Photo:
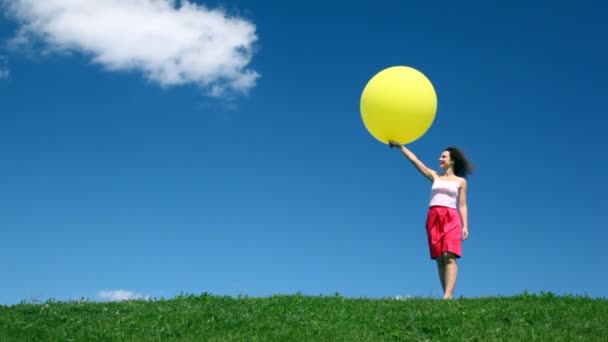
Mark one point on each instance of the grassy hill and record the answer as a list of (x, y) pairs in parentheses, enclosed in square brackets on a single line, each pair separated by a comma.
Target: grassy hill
[(527, 317)]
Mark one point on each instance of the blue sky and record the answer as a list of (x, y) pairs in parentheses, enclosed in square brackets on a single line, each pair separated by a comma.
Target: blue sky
[(126, 176)]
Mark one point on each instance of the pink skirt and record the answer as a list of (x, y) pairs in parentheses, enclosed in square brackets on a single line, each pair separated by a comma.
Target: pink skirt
[(444, 231)]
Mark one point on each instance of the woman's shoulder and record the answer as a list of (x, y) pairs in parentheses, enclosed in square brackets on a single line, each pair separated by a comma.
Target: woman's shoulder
[(461, 181)]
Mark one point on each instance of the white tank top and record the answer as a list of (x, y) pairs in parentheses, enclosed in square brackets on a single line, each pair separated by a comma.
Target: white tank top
[(444, 193)]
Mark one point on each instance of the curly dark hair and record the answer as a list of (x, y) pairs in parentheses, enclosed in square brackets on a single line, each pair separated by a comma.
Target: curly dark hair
[(462, 166)]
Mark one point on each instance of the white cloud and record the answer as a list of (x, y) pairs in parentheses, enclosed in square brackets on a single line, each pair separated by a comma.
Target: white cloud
[(120, 295), (170, 42), (4, 71)]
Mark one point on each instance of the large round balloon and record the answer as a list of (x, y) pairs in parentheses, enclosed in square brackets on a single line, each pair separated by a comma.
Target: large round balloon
[(399, 103)]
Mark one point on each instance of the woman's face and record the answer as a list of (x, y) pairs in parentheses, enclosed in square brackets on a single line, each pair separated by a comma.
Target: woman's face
[(445, 161)]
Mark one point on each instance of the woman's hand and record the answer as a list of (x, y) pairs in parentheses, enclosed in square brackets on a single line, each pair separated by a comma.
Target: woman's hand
[(393, 143), (465, 232)]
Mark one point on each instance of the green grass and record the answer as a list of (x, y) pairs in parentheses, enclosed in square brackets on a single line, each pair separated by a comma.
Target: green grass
[(527, 317)]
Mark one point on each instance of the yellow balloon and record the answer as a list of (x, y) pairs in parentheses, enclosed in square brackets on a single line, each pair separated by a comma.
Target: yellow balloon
[(399, 103)]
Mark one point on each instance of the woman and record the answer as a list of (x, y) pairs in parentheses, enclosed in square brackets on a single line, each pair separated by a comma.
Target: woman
[(447, 218)]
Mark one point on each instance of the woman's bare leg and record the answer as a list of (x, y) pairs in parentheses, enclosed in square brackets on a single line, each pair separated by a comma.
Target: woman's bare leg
[(441, 270), (450, 274)]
